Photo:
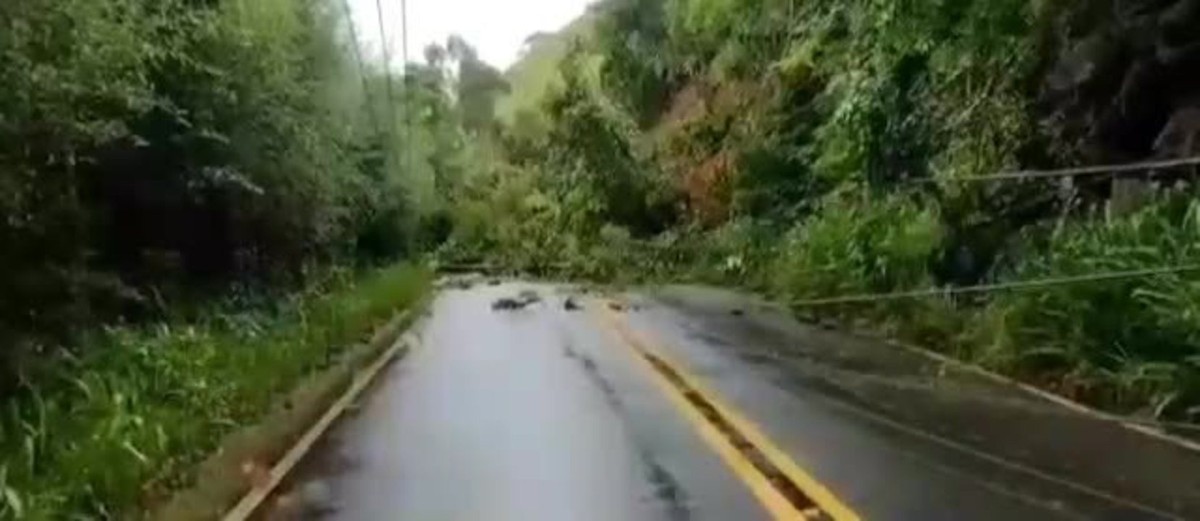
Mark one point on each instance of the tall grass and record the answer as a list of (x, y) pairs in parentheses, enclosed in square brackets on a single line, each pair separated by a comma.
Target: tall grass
[(96, 435), (852, 246), (1130, 344)]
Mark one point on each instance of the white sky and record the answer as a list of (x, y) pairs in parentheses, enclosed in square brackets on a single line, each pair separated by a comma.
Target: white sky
[(497, 28)]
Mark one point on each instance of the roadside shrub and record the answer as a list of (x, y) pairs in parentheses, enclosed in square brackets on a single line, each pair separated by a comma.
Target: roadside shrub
[(98, 434), (738, 252), (152, 151), (1122, 342), (853, 246)]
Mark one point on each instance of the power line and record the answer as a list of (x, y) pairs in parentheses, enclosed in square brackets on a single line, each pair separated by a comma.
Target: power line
[(387, 69), (358, 60), (992, 288), (1068, 172), (1092, 175), (408, 95)]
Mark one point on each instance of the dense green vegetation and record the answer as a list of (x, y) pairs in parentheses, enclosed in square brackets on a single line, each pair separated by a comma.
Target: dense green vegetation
[(120, 426), (810, 148), (196, 198), (156, 149), (194, 195)]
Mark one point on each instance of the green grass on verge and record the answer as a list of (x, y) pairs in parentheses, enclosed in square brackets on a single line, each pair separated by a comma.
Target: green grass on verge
[(128, 419)]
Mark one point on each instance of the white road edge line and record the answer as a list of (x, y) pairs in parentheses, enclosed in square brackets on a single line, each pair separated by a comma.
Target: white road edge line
[(1030, 389), (254, 499)]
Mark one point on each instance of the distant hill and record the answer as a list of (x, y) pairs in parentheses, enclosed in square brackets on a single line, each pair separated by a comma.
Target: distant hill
[(537, 70)]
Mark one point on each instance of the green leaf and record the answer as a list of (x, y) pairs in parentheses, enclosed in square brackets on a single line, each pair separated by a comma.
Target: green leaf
[(12, 499), (128, 446)]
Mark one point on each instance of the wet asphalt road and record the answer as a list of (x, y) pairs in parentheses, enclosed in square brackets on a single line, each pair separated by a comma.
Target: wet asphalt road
[(545, 413)]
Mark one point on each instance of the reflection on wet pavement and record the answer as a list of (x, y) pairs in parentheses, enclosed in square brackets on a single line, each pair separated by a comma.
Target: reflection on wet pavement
[(518, 412), (518, 406), (888, 403)]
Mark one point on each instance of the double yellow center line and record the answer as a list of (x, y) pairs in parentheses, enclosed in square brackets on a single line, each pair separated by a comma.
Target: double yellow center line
[(784, 489)]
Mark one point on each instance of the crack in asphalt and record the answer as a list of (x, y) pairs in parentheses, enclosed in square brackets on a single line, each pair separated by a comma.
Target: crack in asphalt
[(666, 487)]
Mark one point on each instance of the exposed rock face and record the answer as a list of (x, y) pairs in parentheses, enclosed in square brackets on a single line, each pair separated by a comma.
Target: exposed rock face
[(1129, 87), (1182, 134)]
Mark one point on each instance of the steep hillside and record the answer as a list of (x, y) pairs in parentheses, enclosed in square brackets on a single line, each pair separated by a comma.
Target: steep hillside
[(819, 149)]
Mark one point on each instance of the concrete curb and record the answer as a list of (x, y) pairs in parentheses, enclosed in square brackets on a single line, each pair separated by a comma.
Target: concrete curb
[(812, 321), (235, 479), (257, 496), (1027, 388)]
